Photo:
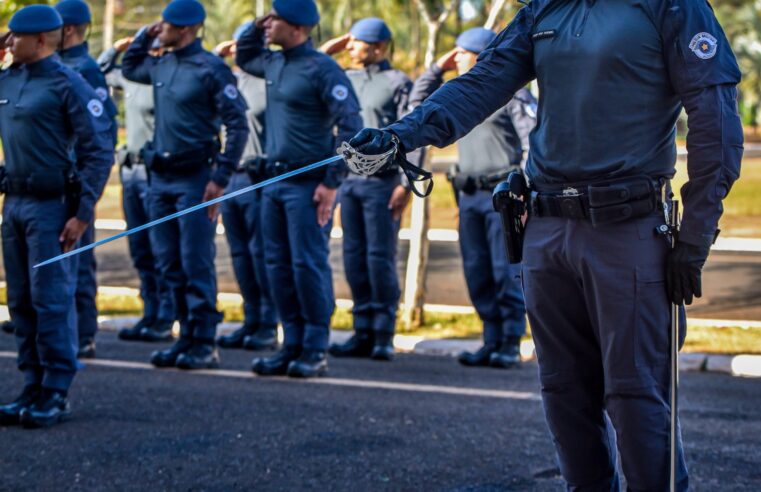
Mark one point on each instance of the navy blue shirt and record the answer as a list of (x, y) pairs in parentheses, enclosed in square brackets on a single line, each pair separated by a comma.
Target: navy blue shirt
[(195, 93), (48, 115), (613, 77), (308, 95)]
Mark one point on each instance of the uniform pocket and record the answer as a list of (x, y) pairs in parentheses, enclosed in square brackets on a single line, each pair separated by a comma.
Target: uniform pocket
[(652, 318)]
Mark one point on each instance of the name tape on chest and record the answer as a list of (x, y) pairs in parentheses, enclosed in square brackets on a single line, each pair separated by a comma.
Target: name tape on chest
[(340, 92), (704, 45), (547, 33), (95, 108), (231, 92)]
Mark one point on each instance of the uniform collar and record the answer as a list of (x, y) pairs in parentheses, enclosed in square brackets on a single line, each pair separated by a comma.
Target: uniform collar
[(304, 47), (191, 49), (44, 65), (75, 51), (381, 66)]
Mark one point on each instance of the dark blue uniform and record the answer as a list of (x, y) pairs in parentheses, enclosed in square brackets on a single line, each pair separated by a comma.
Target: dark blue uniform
[(308, 95), (48, 115), (194, 93), (596, 297), (78, 59)]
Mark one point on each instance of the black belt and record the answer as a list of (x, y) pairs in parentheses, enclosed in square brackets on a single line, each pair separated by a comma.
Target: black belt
[(132, 160), (601, 202), (277, 168), (471, 183)]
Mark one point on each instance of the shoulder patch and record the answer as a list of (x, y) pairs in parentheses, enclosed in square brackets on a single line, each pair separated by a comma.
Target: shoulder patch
[(102, 93), (340, 92), (231, 92), (704, 45), (95, 107)]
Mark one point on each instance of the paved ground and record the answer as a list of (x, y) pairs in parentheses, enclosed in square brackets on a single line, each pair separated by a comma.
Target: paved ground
[(420, 423)]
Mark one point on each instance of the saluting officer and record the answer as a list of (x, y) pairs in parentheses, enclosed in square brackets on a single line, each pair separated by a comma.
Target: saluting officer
[(74, 53), (46, 110), (308, 95), (486, 155), (371, 207), (195, 94), (242, 219), (597, 277), (139, 122)]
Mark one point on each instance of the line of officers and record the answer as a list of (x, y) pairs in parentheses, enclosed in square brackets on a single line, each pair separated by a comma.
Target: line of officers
[(277, 110)]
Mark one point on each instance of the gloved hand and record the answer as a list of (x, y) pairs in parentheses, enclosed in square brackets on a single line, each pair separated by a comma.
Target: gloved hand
[(371, 141), (683, 269)]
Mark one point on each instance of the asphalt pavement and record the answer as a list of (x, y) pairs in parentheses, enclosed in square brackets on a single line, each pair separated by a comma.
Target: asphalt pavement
[(418, 423)]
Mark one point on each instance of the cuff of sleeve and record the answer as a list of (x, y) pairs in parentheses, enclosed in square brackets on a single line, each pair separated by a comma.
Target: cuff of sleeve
[(436, 70), (84, 213), (221, 176), (697, 238), (332, 180), (142, 39)]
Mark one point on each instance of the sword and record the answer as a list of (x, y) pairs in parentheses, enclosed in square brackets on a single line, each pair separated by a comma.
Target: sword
[(200, 206), (674, 225)]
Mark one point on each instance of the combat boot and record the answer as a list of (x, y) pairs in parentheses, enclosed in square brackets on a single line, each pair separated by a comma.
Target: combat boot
[(86, 349), (10, 413), (384, 346), (480, 357), (277, 365), (200, 356), (312, 363), (359, 345), (508, 355), (160, 331), (168, 357), (50, 408), (133, 333), (265, 338), (235, 339)]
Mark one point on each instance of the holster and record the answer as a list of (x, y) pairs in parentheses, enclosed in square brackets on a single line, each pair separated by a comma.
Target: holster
[(185, 162), (509, 199), (255, 167)]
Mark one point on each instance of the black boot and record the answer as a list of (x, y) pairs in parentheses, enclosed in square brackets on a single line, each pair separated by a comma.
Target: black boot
[(265, 338), (50, 408), (478, 358), (312, 363), (168, 357), (10, 413), (160, 331), (86, 349), (133, 333), (7, 327), (359, 345), (384, 346), (202, 355), (277, 365), (508, 355), (235, 339)]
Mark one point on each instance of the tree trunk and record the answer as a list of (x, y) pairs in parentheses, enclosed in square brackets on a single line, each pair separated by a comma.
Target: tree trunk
[(496, 9), (108, 24)]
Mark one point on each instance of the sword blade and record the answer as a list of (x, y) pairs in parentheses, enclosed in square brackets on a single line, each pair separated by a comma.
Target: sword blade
[(194, 208)]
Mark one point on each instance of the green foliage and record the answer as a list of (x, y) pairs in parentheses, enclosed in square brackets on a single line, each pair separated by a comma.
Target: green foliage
[(9, 7)]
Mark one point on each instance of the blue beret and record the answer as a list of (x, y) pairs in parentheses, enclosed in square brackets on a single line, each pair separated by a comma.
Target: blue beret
[(371, 30), (297, 12), (35, 19), (241, 29), (475, 40), (184, 13), (74, 12)]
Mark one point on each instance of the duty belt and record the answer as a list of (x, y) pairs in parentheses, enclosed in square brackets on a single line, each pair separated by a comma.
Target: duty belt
[(600, 202), (276, 168), (471, 183)]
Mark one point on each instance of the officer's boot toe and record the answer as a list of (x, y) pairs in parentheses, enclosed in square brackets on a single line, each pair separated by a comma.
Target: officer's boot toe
[(235, 339), (359, 345), (277, 365), (10, 413), (508, 356), (265, 338), (200, 356), (50, 408), (384, 347), (480, 357), (86, 349), (160, 331), (7, 327), (311, 363), (168, 357), (133, 333)]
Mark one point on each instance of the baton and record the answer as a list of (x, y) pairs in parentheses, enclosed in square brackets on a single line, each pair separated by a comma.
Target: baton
[(200, 206), (674, 224)]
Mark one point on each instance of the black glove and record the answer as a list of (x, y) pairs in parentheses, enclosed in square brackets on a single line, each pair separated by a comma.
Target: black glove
[(371, 141), (683, 268)]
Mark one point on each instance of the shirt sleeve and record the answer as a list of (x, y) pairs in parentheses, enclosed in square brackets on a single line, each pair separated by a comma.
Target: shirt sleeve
[(704, 73), (425, 85), (137, 62), (522, 111), (251, 54), (464, 102), (402, 95)]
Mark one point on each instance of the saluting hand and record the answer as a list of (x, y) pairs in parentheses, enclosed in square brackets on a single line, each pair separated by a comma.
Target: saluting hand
[(400, 197), (226, 48), (123, 44), (259, 22), (336, 45), (324, 198), (154, 29), (447, 62), (212, 191), (71, 233)]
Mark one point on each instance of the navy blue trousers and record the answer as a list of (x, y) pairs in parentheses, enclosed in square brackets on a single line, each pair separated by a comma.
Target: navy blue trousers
[(370, 236), (493, 283), (296, 254), (600, 318), (157, 298), (40, 300), (87, 288), (241, 217), (185, 250)]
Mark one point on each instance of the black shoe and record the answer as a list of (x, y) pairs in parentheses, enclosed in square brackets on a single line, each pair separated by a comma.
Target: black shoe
[(10, 413), (133, 333), (310, 364), (86, 349), (50, 408), (478, 358), (384, 347), (7, 327), (235, 339), (168, 357), (277, 365), (161, 331), (200, 356), (265, 338), (508, 356), (359, 345)]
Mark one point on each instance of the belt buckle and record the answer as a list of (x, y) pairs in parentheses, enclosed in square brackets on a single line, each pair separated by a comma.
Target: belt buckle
[(571, 205)]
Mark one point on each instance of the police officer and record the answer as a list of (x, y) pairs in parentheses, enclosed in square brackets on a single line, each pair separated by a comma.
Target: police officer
[(195, 93), (139, 121), (371, 207), (242, 222), (46, 110), (308, 95), (598, 278), (487, 154), (74, 53)]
